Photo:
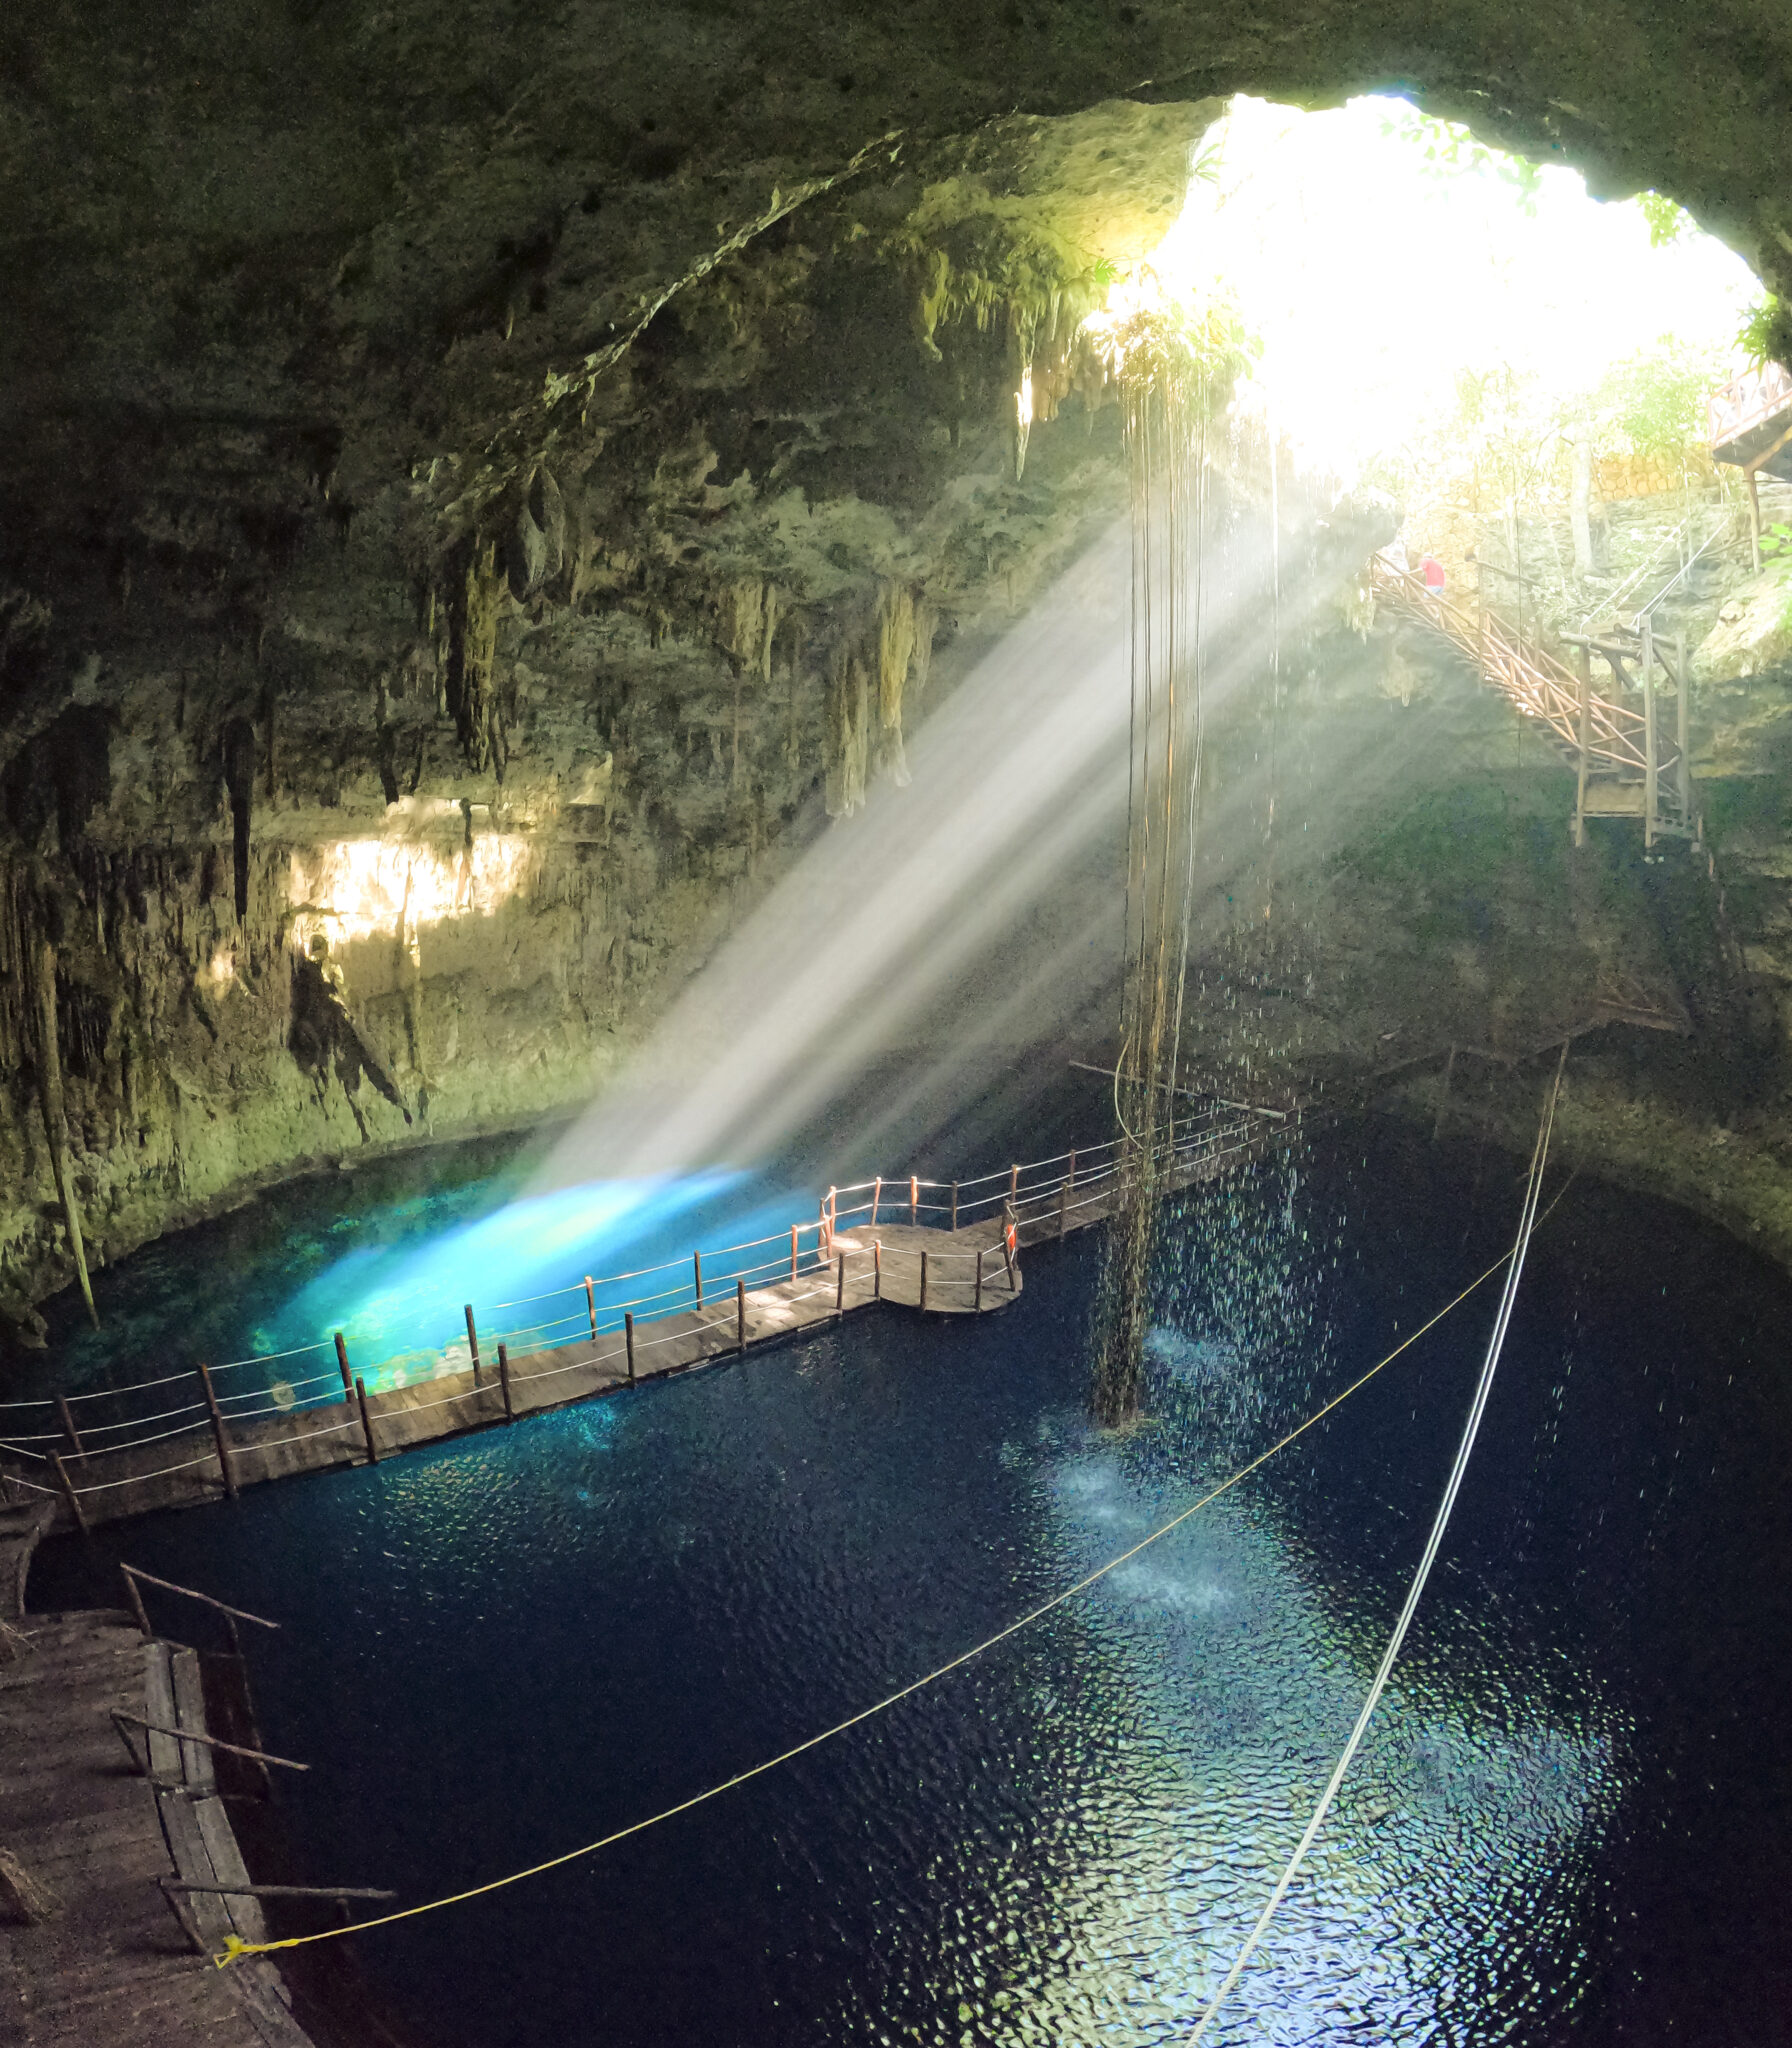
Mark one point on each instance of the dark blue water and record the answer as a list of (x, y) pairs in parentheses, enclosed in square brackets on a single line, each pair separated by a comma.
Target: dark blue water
[(1572, 1821)]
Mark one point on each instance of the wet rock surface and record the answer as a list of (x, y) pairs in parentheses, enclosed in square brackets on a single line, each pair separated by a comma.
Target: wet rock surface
[(477, 495)]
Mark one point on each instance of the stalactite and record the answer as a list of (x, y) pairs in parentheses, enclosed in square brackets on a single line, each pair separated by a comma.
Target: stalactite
[(237, 745), (848, 734), (472, 654), (895, 653), (50, 1102)]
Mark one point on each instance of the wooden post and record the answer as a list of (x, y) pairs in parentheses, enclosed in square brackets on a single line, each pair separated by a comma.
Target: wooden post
[(628, 1338), (473, 1342), (504, 1380), (697, 1269), (69, 1494), (740, 1315), (27, 1899), (373, 1449), (135, 1594), (1586, 743), (68, 1426), (955, 1205), (914, 1199), (1073, 1169), (348, 1383), (591, 1305), (1650, 768), (923, 1280), (1754, 519), (1683, 725), (977, 1297), (222, 1441), (877, 1195), (1014, 1183), (1063, 1206), (840, 1287), (877, 1269), (793, 1252)]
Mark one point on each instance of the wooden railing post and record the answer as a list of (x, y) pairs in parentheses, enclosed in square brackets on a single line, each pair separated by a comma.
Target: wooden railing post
[(1683, 726), (70, 1495), (923, 1280), (504, 1379), (135, 1594), (877, 1195), (877, 1269), (977, 1296), (740, 1315), (697, 1269), (223, 1442), (1586, 744), (348, 1384), (1014, 1184), (955, 1205), (473, 1342), (373, 1449), (591, 1304), (628, 1339), (1651, 766), (914, 1199), (1063, 1205), (840, 1286), (68, 1426), (793, 1252)]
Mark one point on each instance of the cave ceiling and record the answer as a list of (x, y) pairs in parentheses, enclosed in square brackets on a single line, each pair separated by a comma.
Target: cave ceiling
[(383, 259)]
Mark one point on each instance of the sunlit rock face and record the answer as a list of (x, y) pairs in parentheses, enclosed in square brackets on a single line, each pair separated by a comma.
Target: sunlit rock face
[(479, 494)]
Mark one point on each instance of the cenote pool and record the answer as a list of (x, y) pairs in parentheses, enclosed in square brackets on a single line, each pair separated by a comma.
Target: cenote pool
[(1572, 1821)]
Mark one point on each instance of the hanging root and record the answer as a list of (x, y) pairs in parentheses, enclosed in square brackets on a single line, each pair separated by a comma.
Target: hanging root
[(1165, 407)]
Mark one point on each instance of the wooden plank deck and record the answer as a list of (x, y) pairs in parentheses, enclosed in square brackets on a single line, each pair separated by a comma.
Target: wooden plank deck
[(882, 1271), (112, 1967)]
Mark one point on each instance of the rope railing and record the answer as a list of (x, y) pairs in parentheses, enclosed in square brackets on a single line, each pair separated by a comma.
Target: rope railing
[(1027, 1193)]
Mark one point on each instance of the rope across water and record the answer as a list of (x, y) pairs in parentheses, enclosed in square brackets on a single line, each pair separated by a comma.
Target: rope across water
[(235, 1946)]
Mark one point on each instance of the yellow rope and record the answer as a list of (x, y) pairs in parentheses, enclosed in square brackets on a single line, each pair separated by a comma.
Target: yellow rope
[(235, 1946)]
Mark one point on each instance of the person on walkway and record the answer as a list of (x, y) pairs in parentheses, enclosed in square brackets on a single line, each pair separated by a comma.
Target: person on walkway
[(1433, 572)]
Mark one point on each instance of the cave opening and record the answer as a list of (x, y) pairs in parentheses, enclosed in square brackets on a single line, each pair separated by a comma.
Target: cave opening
[(611, 834)]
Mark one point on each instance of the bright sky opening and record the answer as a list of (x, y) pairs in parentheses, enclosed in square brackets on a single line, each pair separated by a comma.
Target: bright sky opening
[(1373, 275)]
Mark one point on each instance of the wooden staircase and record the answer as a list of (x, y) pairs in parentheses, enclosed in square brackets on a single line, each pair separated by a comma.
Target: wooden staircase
[(1629, 765)]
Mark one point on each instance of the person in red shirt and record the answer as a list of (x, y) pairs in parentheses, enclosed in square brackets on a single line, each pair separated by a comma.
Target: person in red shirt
[(1433, 572)]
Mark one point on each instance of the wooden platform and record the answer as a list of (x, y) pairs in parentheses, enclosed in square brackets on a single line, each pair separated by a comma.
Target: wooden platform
[(883, 1271), (113, 1966)]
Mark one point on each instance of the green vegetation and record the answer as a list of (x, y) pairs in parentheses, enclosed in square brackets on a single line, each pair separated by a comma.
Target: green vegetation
[(1450, 148), (1656, 399), (1668, 219), (1766, 334)]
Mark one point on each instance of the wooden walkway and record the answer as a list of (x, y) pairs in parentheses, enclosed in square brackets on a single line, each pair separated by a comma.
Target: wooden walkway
[(967, 1272), (1628, 765), (113, 1966)]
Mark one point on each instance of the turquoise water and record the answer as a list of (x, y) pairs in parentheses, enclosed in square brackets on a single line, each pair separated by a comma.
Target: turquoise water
[(390, 1255)]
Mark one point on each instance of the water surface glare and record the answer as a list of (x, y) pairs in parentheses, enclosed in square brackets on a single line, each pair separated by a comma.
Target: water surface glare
[(1570, 1821)]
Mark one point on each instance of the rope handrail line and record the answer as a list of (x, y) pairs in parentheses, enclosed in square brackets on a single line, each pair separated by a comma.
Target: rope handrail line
[(161, 1415), (1514, 1264), (235, 1946), (1094, 1169), (268, 1357)]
